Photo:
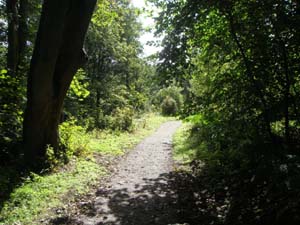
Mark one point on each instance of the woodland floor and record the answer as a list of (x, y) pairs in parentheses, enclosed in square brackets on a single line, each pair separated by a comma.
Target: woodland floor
[(144, 189)]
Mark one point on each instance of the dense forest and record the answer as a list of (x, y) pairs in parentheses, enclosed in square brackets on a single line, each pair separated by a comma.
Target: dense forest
[(230, 69)]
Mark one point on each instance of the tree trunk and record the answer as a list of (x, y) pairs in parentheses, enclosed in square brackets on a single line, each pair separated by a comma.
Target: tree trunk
[(23, 29), (57, 56), (12, 36), (17, 16)]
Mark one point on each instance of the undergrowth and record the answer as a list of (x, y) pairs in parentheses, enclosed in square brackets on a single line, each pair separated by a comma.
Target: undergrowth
[(183, 151), (35, 197), (237, 187)]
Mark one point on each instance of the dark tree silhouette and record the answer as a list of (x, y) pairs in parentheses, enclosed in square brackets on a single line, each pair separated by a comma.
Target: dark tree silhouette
[(57, 56)]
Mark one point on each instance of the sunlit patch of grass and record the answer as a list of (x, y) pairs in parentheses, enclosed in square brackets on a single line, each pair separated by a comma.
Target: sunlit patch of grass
[(183, 151), (38, 194), (117, 143)]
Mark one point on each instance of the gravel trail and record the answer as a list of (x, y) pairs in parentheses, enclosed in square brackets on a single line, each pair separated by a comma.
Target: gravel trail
[(140, 192)]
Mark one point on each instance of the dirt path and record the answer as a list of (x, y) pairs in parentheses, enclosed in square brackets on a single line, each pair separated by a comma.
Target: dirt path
[(140, 192)]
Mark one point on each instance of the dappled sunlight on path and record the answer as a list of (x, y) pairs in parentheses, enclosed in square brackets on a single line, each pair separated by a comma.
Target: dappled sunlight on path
[(146, 190)]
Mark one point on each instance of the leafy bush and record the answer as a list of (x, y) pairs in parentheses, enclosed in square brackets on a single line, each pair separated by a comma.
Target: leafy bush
[(173, 92), (11, 112), (137, 100), (73, 138), (121, 119), (169, 106)]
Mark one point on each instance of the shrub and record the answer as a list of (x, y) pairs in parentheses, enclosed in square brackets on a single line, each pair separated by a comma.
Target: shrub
[(169, 106), (73, 138), (11, 115), (121, 119), (173, 92)]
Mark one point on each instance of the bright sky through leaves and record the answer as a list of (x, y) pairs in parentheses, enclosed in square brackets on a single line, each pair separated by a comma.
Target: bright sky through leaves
[(147, 22)]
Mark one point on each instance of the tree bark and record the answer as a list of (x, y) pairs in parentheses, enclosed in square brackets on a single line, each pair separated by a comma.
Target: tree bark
[(12, 36), (57, 56), (23, 29), (17, 30)]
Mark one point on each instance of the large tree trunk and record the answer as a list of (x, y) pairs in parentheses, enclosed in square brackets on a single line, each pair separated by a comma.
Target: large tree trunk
[(57, 56)]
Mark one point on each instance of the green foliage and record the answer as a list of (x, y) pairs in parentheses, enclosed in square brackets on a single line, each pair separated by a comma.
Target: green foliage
[(245, 181), (13, 88), (112, 89), (238, 67), (169, 106), (121, 119), (73, 138), (168, 95), (79, 88), (240, 60), (236, 57), (117, 111), (11, 113)]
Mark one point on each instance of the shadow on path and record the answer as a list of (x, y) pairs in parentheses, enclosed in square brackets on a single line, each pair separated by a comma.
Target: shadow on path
[(168, 199)]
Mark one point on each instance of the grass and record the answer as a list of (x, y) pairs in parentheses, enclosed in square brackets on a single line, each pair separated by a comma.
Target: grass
[(37, 196), (183, 151), (117, 143), (40, 193)]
